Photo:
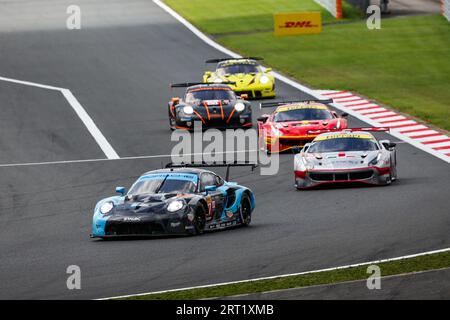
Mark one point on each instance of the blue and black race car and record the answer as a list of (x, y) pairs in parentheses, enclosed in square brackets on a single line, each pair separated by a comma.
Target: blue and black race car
[(180, 199)]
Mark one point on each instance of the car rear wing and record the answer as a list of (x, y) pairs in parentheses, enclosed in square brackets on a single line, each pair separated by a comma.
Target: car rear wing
[(213, 165), (280, 103), (190, 84), (367, 129), (229, 59)]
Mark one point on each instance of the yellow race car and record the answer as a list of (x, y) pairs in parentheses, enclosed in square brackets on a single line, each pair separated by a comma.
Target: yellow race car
[(248, 76)]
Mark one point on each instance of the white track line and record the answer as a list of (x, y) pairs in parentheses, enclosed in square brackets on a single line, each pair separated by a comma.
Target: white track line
[(283, 275), (29, 164), (32, 84), (315, 93), (107, 149), (90, 125)]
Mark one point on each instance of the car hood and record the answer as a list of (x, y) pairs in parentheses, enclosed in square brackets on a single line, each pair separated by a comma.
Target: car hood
[(297, 128), (340, 160), (145, 204), (241, 79)]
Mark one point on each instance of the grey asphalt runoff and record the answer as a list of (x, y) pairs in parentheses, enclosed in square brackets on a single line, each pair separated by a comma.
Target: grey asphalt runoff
[(426, 285), (119, 66)]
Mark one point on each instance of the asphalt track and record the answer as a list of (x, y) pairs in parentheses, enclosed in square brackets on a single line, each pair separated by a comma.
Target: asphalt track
[(119, 66)]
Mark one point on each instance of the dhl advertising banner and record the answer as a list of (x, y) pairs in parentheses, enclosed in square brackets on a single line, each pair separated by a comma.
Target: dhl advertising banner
[(286, 24)]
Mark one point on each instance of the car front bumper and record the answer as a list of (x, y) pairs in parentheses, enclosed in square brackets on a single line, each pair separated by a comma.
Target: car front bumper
[(256, 91), (158, 224), (237, 120), (369, 175)]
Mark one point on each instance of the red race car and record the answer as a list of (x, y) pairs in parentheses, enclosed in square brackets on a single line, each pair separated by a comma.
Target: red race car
[(290, 124)]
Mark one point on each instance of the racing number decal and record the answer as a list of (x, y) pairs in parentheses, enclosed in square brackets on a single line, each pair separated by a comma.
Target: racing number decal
[(211, 207)]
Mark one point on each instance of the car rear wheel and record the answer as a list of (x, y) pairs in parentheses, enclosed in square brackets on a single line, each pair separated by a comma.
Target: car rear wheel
[(245, 211)]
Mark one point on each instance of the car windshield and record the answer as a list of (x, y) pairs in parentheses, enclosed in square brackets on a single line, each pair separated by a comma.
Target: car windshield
[(201, 95), (303, 114), (238, 68), (164, 183), (343, 144)]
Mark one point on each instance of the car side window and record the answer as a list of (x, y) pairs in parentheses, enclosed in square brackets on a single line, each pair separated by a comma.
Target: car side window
[(207, 179), (219, 181)]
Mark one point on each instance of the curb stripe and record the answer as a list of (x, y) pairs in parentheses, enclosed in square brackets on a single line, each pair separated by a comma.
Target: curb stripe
[(401, 126), (422, 128), (426, 135), (436, 141)]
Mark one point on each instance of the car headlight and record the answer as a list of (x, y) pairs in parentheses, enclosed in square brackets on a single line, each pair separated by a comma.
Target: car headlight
[(239, 106), (106, 207), (218, 80), (175, 205), (264, 79), (188, 110), (375, 160)]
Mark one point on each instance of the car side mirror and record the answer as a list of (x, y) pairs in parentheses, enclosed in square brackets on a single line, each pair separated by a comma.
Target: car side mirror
[(210, 188), (268, 70), (306, 146), (208, 74), (387, 144), (120, 190), (175, 101), (344, 114), (296, 149), (263, 118), (244, 96)]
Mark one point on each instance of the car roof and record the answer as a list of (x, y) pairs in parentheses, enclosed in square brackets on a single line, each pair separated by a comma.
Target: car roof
[(345, 134), (209, 86), (195, 171), (301, 105), (237, 61)]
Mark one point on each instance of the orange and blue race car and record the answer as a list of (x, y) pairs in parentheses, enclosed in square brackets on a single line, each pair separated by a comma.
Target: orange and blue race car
[(291, 123)]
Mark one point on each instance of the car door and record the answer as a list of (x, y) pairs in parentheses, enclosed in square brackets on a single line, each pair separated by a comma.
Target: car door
[(215, 199)]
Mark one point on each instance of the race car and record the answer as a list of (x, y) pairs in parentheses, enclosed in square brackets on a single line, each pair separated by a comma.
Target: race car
[(291, 122), (246, 74), (214, 105), (177, 200), (349, 156)]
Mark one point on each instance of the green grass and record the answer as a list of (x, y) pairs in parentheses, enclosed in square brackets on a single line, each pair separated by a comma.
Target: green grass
[(422, 263), (230, 16), (405, 65)]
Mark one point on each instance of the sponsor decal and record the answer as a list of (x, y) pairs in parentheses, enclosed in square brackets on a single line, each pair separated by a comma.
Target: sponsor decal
[(297, 23), (170, 176), (131, 219), (301, 106), (344, 135), (230, 214)]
